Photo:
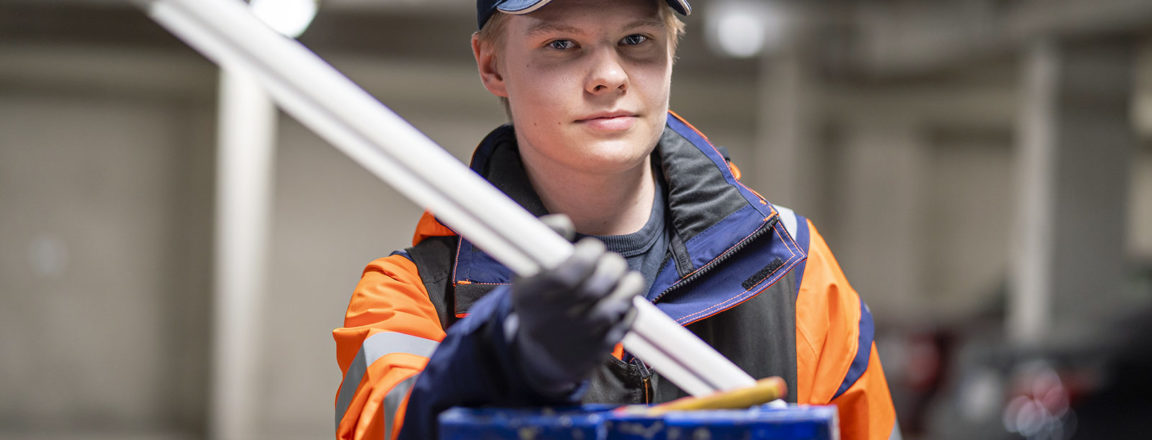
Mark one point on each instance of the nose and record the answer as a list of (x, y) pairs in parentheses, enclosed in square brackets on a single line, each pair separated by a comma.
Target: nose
[(607, 74)]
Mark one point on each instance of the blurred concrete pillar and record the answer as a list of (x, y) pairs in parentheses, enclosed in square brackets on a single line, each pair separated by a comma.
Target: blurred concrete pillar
[(785, 129), (247, 124), (1076, 139), (882, 212)]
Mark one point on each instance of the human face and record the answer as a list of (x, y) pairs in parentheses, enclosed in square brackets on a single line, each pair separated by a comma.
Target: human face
[(587, 82)]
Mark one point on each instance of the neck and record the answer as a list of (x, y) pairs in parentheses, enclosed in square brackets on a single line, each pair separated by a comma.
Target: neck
[(598, 204)]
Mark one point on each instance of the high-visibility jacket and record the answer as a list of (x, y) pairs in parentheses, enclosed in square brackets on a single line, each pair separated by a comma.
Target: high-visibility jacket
[(425, 327)]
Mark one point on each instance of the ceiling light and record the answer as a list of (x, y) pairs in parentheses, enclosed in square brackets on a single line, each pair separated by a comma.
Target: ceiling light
[(288, 17), (744, 28)]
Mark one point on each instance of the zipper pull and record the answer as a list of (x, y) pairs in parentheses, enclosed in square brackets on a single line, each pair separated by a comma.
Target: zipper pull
[(642, 368)]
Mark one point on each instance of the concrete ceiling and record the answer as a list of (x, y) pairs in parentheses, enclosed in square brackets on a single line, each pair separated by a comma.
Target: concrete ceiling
[(845, 38)]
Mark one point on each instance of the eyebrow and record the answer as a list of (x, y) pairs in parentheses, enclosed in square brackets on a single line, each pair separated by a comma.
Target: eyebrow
[(546, 27), (644, 22)]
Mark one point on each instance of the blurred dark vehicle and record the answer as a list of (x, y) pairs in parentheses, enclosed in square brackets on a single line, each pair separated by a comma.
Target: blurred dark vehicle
[(963, 380)]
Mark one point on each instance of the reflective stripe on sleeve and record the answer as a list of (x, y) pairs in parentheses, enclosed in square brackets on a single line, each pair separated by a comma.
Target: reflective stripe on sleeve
[(788, 217), (373, 348), (392, 403)]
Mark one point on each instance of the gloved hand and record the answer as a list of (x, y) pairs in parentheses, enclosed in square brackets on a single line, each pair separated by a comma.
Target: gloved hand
[(571, 316)]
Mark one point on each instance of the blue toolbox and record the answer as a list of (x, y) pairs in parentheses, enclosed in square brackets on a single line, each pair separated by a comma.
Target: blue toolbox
[(601, 422)]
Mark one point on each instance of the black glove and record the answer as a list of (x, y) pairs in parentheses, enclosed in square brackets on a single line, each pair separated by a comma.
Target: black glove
[(571, 316)]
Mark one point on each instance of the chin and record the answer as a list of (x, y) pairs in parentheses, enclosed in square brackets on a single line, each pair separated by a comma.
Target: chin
[(617, 155)]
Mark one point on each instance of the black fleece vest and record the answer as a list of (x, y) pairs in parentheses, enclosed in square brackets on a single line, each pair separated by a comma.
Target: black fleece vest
[(758, 335)]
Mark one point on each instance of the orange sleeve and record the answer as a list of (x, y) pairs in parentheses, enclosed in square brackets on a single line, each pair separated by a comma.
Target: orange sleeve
[(831, 324), (866, 409), (390, 330)]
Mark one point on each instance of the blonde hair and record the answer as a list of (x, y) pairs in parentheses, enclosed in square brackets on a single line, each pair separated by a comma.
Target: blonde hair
[(493, 33)]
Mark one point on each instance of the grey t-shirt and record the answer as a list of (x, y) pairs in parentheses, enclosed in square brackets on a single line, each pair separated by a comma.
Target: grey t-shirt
[(646, 249)]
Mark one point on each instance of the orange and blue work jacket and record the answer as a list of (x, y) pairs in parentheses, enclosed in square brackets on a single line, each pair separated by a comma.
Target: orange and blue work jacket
[(424, 329)]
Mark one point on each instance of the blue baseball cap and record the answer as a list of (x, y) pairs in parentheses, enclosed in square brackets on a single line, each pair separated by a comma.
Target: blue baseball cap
[(485, 8)]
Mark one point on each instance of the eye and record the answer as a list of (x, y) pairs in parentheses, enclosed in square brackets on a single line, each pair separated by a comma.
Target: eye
[(561, 44), (633, 40)]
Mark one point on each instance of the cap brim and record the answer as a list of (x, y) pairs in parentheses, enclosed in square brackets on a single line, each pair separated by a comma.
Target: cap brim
[(527, 6), (521, 6)]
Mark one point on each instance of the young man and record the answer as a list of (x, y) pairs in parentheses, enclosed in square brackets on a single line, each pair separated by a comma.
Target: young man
[(586, 84)]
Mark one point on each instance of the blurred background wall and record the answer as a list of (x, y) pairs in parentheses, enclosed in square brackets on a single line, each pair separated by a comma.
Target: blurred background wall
[(982, 168)]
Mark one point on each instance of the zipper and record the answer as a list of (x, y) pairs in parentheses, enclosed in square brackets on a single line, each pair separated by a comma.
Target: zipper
[(647, 390), (645, 373), (718, 260), (645, 379)]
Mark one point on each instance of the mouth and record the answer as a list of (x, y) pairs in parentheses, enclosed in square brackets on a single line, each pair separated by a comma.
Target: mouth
[(609, 122), (607, 115)]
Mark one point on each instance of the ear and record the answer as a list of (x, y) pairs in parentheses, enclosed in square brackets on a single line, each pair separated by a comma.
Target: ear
[(490, 76)]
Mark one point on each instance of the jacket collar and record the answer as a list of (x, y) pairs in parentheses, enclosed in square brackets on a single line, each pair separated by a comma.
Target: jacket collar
[(710, 211)]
